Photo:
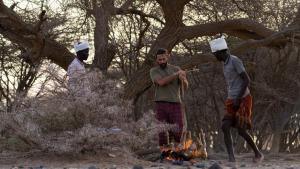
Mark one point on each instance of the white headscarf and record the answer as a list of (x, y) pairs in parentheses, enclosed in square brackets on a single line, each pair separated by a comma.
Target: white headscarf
[(78, 46), (218, 44)]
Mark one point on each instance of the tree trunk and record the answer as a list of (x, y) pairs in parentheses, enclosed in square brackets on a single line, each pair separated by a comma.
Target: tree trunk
[(276, 142), (104, 52), (280, 121)]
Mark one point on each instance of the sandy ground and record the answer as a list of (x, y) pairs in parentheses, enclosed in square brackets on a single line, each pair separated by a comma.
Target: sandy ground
[(125, 161)]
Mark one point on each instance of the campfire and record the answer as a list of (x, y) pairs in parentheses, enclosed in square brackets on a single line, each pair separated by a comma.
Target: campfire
[(187, 150)]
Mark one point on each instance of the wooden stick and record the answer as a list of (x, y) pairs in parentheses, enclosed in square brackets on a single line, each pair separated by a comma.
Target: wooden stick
[(189, 135), (203, 138), (200, 139), (184, 139), (168, 138), (192, 70)]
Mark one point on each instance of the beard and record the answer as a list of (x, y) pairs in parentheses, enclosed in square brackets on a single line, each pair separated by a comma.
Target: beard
[(163, 65)]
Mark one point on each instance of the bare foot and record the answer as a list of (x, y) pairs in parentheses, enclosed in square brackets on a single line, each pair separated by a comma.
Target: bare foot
[(258, 158)]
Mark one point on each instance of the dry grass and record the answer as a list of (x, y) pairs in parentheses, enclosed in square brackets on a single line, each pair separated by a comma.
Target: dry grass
[(64, 121)]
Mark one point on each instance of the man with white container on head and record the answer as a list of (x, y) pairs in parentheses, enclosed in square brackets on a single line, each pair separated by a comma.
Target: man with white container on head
[(239, 100)]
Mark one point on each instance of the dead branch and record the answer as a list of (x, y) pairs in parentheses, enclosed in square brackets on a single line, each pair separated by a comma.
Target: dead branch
[(121, 11)]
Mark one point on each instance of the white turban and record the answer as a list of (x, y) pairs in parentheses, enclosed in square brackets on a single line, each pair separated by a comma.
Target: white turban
[(78, 46), (218, 44)]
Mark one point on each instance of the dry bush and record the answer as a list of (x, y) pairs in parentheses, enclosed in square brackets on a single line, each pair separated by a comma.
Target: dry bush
[(60, 120)]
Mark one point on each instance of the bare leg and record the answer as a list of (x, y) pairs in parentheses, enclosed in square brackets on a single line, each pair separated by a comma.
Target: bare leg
[(250, 141), (226, 125)]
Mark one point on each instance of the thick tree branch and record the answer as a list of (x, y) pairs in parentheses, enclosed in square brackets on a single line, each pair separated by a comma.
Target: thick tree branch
[(12, 7), (243, 28), (28, 36), (275, 40), (172, 2)]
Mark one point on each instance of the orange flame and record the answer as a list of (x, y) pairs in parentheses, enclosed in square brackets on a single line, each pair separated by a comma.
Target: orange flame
[(193, 149)]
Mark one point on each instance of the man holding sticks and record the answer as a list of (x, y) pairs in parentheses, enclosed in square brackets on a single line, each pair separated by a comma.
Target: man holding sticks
[(168, 79)]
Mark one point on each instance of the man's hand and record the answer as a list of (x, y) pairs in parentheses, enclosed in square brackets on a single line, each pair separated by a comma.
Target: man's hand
[(183, 79), (166, 80), (236, 104), (182, 74)]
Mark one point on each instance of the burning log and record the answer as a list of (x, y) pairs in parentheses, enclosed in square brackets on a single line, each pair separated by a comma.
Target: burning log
[(187, 150), (174, 155)]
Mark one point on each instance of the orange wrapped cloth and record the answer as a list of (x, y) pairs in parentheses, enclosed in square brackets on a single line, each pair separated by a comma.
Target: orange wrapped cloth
[(242, 117)]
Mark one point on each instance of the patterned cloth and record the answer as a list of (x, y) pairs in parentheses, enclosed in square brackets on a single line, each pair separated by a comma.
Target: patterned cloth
[(171, 113), (242, 117)]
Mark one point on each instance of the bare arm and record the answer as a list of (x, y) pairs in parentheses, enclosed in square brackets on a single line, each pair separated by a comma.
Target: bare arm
[(166, 80)]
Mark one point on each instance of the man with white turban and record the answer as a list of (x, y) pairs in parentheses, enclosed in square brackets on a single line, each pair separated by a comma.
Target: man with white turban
[(77, 82)]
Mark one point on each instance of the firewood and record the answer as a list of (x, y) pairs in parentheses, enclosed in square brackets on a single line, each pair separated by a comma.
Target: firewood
[(189, 135), (203, 138), (168, 137), (183, 140), (200, 139)]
